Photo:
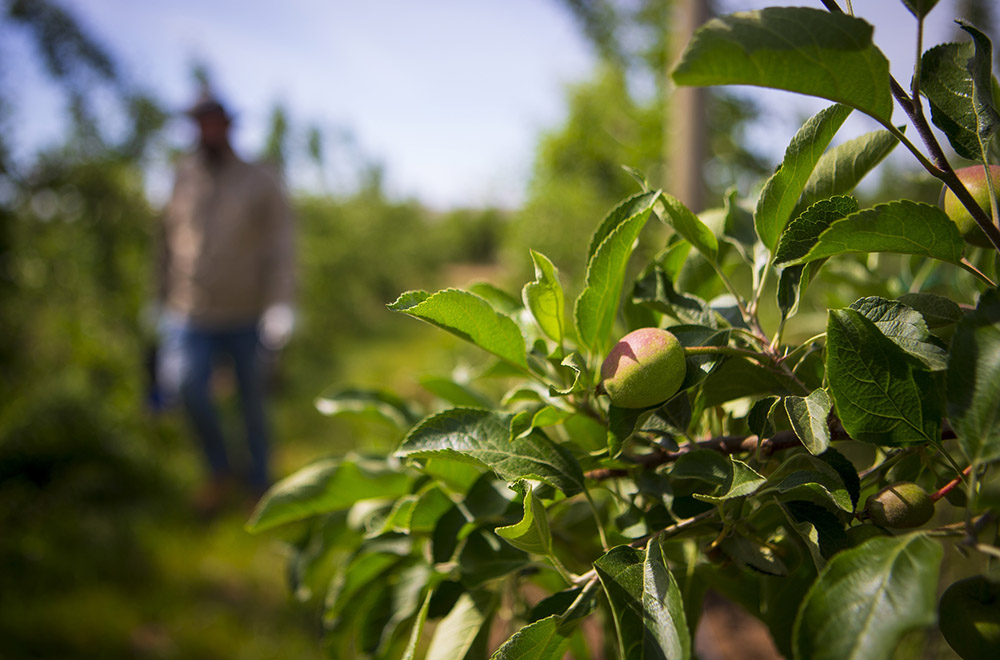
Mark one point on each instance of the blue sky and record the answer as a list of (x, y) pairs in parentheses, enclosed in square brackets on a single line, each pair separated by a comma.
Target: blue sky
[(450, 95)]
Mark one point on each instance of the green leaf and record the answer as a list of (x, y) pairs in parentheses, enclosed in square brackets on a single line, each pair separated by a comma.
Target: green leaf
[(703, 465), (482, 437), (531, 533), (754, 555), (597, 306), (456, 632), (974, 380), (848, 473), (454, 393), (646, 604), (484, 558), (689, 227), (781, 192), (467, 316), (843, 167), (808, 416), (802, 233), (759, 417), (578, 365), (376, 403), (947, 84), (937, 311), (544, 298), (920, 8), (622, 424), (540, 640), (983, 104), (418, 627), (628, 208), (903, 227), (325, 486), (867, 598), (808, 478), (906, 328), (803, 50), (879, 397), (498, 299), (738, 377), (655, 290), (743, 480), (820, 530)]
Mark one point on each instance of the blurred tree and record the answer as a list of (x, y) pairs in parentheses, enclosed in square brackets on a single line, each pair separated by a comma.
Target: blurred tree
[(276, 146)]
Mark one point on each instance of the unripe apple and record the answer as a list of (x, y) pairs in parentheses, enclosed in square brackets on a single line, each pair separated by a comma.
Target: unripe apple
[(974, 179), (644, 368), (900, 506), (969, 618)]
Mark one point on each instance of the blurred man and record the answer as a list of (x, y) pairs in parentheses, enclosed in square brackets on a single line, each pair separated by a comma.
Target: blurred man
[(226, 280)]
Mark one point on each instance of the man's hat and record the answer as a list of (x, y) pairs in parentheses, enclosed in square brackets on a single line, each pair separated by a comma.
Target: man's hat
[(206, 103)]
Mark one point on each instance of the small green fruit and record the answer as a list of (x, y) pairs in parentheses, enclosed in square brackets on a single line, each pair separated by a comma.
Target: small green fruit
[(900, 506), (644, 368), (858, 534), (974, 179), (969, 618)]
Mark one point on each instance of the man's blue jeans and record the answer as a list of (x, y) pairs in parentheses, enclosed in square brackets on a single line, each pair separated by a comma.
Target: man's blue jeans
[(187, 357)]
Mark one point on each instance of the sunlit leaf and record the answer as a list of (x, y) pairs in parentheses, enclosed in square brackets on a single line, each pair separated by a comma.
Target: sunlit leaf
[(843, 167), (467, 316), (544, 298), (597, 305), (906, 328), (903, 227), (867, 598), (456, 632), (646, 604), (879, 396), (324, 486), (782, 191), (531, 533), (808, 416), (482, 437), (804, 50)]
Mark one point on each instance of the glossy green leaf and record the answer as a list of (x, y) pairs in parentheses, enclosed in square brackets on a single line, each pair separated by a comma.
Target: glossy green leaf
[(802, 233), (498, 299), (377, 403), (867, 598), (484, 558), (456, 632), (842, 168), (324, 486), (759, 417), (540, 640), (808, 416), (544, 298), (983, 103), (646, 604), (903, 227), (530, 534), (467, 316), (597, 305), (906, 328), (482, 437), (738, 377), (782, 191), (974, 380), (742, 480), (688, 226), (879, 396), (946, 82), (803, 50)]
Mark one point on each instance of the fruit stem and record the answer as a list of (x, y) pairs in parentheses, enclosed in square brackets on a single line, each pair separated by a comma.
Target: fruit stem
[(597, 519), (950, 486), (967, 265)]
